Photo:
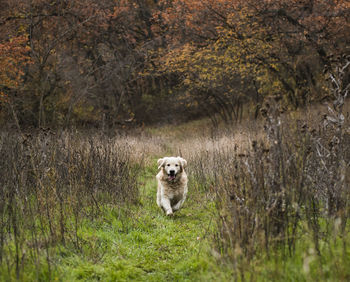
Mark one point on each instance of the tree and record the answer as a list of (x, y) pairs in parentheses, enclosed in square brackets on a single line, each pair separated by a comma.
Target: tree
[(86, 59), (14, 57), (110, 62), (225, 50)]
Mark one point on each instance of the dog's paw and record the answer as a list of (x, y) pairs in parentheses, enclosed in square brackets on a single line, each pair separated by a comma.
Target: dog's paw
[(169, 213)]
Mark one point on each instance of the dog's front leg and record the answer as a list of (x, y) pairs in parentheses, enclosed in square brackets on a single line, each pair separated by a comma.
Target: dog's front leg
[(159, 198), (166, 206), (178, 204)]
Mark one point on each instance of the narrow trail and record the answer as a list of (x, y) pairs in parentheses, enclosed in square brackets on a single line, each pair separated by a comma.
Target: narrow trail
[(159, 248), (142, 244)]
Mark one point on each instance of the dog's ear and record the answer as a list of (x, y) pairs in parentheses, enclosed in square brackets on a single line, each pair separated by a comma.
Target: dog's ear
[(160, 163), (183, 162)]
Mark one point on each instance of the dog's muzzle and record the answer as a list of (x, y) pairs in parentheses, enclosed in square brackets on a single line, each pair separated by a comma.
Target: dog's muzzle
[(171, 175)]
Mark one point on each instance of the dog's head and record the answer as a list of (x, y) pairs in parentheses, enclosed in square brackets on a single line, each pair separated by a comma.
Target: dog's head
[(172, 166)]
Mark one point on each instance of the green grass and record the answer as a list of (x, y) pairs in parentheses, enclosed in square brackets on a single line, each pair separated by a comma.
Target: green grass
[(146, 246), (139, 243)]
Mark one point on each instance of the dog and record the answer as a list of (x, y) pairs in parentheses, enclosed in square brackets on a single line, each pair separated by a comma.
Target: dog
[(172, 184)]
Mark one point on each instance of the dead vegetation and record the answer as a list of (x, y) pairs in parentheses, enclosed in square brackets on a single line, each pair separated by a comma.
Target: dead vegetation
[(277, 183), (50, 184), (289, 187)]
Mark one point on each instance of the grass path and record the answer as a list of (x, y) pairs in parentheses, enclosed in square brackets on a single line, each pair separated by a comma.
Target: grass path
[(149, 246)]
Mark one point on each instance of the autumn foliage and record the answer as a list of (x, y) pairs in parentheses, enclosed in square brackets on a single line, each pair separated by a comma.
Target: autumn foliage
[(14, 57), (115, 62)]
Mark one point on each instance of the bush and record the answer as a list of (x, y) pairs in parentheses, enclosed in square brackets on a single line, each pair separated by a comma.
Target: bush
[(290, 188), (50, 184)]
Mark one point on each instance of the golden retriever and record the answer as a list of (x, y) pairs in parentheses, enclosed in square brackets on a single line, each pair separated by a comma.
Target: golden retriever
[(172, 184)]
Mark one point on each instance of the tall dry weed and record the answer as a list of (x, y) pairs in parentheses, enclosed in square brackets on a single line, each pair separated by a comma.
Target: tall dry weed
[(50, 184), (292, 181)]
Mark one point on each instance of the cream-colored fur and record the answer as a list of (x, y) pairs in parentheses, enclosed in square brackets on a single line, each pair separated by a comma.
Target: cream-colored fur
[(172, 184)]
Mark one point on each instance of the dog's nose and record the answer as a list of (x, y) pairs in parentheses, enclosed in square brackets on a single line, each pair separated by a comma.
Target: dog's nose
[(172, 172)]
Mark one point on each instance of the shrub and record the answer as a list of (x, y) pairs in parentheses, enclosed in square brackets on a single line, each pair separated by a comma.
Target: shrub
[(50, 184), (288, 187)]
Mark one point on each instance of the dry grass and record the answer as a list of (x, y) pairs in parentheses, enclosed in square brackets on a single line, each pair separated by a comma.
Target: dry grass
[(50, 184), (276, 181), (281, 187)]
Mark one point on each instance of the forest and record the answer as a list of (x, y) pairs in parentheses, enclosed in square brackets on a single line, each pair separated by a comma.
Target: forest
[(115, 63), (252, 93)]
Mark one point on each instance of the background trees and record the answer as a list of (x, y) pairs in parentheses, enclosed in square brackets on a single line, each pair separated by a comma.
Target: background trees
[(228, 52), (110, 62)]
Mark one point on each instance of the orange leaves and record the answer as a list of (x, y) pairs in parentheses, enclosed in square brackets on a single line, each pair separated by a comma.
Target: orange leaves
[(215, 42), (13, 58), (120, 10), (248, 39), (3, 97), (194, 20)]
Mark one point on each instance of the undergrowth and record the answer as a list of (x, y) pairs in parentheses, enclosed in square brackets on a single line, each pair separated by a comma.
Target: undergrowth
[(268, 201), (50, 187), (283, 201)]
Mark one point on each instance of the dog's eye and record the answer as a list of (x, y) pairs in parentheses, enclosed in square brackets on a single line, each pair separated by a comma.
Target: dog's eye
[(168, 164), (176, 165)]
